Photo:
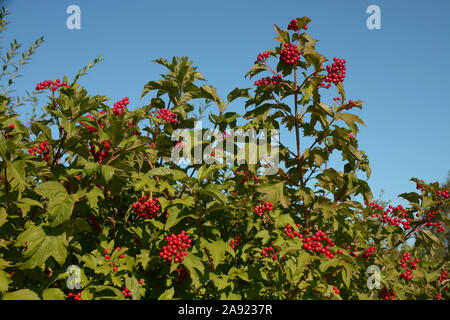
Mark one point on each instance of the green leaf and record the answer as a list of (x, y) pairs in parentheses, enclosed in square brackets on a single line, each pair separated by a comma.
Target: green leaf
[(274, 193), (206, 170), (325, 108), (53, 294), (350, 119), (59, 212), (412, 197), (22, 294), (41, 246), (16, 170), (91, 168), (52, 190), (4, 281), (3, 216), (167, 295), (217, 250), (428, 201), (209, 92), (106, 293), (160, 171), (214, 191), (431, 238), (283, 35), (238, 93), (93, 195), (107, 172), (192, 264), (173, 218), (327, 264)]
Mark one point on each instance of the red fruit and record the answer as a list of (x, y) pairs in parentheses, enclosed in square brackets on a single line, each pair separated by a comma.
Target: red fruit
[(12, 126)]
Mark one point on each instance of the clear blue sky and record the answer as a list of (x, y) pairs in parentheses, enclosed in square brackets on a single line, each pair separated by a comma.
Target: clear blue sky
[(401, 71)]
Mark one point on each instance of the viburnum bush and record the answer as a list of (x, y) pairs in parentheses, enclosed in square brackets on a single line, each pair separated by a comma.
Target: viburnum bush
[(90, 184)]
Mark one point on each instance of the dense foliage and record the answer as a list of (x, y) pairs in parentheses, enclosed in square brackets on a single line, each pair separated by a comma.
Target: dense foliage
[(92, 186)]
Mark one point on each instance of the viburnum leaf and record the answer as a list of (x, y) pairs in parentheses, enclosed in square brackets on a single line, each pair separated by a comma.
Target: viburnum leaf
[(274, 193)]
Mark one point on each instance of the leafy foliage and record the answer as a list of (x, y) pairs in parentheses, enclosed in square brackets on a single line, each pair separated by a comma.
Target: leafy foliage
[(76, 210)]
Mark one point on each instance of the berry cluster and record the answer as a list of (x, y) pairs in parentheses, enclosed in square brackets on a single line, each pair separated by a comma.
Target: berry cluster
[(443, 276), (315, 243), (445, 194), (350, 105), (431, 215), (292, 233), (89, 127), (103, 151), (438, 296), (419, 187), (263, 208), (290, 54), (268, 80), (406, 257), (386, 294), (272, 253), (176, 248), (133, 126), (336, 72), (235, 242), (336, 290), (146, 208), (108, 257), (75, 296), (293, 25), (245, 176), (126, 292), (43, 149), (51, 85), (262, 57), (166, 115), (353, 253), (119, 106), (393, 215), (368, 252), (326, 86)]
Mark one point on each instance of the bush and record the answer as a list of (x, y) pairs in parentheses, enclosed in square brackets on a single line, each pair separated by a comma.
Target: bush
[(102, 212)]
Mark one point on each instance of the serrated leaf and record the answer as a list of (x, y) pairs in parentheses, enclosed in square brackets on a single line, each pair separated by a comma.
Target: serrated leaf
[(217, 250), (274, 193)]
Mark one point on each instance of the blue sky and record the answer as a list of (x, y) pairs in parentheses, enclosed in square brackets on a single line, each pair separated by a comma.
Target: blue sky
[(400, 71)]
